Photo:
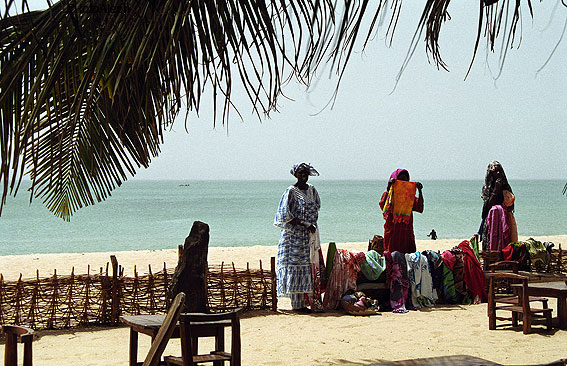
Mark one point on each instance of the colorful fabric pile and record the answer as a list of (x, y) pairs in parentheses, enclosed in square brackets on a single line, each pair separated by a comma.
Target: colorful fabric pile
[(359, 302), (343, 276), (413, 280), (531, 255), (421, 281)]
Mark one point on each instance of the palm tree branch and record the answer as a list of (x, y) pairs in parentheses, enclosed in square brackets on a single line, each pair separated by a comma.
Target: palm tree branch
[(85, 96)]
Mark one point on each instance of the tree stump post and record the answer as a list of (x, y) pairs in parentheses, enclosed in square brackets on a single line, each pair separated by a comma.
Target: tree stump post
[(190, 273)]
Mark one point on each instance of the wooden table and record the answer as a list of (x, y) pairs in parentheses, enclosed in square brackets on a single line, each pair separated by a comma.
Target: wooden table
[(150, 324), (556, 289), (456, 360)]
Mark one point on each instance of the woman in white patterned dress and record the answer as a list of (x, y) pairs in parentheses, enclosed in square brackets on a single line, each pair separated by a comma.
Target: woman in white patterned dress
[(299, 249)]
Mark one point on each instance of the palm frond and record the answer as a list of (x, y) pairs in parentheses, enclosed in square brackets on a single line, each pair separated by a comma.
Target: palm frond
[(87, 87)]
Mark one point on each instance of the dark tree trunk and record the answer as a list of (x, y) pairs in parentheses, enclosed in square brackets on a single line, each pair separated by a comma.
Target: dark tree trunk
[(189, 276)]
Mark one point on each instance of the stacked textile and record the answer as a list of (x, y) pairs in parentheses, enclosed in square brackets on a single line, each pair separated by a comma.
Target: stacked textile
[(345, 268), (530, 254), (414, 280), (463, 280)]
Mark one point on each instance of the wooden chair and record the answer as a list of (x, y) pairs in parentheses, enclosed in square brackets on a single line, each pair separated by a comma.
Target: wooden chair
[(192, 328), (520, 310), (513, 298), (12, 333), (165, 331)]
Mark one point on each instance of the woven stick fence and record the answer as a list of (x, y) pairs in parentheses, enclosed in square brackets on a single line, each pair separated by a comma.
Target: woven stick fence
[(101, 298)]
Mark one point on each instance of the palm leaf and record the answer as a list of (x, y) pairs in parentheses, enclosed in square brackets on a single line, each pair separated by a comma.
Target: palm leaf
[(87, 87)]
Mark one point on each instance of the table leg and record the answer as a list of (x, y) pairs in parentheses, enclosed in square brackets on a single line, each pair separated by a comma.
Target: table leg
[(562, 311), (219, 344), (195, 345), (133, 347)]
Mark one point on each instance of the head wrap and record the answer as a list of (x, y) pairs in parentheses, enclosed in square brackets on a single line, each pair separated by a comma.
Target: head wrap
[(296, 167), (489, 180), (397, 172)]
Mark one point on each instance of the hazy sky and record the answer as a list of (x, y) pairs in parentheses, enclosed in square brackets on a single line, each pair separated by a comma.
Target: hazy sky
[(435, 124)]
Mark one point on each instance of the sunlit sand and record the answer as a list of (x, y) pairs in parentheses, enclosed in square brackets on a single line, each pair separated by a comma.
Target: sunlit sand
[(286, 338)]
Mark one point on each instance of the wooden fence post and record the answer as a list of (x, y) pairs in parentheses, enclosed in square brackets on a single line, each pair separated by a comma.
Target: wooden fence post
[(559, 260), (105, 294), (235, 286), (150, 289), (34, 302), (135, 307), (264, 287), (222, 291), (274, 284), (53, 301), (179, 253), (207, 303), (83, 316), (115, 289), (166, 287), (248, 287), (69, 301), (2, 320)]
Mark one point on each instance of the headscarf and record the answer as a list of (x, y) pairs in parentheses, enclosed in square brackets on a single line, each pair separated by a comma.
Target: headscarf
[(296, 166), (489, 181), (397, 173)]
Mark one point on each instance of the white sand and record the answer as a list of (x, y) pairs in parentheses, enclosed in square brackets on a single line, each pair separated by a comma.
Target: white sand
[(286, 338)]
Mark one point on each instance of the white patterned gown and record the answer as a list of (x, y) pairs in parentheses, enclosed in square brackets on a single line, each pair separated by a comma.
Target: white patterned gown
[(297, 248)]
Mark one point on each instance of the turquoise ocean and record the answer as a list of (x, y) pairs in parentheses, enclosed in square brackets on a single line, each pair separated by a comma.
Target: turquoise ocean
[(150, 215)]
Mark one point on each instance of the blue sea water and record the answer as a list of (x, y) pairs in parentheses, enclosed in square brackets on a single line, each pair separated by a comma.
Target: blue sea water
[(159, 214)]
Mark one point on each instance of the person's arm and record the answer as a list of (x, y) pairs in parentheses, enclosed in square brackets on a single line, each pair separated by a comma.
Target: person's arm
[(383, 200), (390, 182), (297, 221), (418, 204)]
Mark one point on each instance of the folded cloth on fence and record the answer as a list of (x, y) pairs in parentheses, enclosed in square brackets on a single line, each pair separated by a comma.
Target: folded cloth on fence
[(517, 251), (434, 260), (397, 278), (459, 274), (539, 257), (449, 259), (421, 282), (342, 278), (448, 285), (474, 246), (331, 250), (373, 266), (473, 274), (498, 227), (400, 201)]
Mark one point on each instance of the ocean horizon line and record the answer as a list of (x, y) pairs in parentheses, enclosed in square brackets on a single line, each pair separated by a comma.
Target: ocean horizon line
[(333, 180)]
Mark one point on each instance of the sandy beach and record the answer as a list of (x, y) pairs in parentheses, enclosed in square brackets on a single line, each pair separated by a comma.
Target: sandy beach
[(286, 338)]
